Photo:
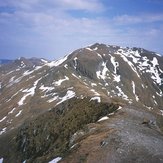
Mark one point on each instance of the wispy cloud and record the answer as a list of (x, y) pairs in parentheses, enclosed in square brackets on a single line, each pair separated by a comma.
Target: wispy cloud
[(137, 19), (46, 26), (87, 5)]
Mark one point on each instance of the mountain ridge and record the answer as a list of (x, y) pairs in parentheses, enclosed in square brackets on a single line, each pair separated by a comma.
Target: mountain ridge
[(89, 64), (126, 77)]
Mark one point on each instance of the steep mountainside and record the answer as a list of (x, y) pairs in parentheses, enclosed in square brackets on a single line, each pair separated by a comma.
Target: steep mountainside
[(108, 76)]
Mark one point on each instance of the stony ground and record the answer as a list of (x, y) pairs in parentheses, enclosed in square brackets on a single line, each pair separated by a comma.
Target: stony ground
[(130, 135)]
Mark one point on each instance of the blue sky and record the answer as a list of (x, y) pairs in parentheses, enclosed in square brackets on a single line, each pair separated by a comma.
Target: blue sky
[(53, 28)]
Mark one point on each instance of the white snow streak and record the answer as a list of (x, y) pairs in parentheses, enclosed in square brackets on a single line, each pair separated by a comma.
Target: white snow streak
[(121, 93), (119, 108), (75, 60), (12, 111), (30, 92), (3, 119), (1, 160), (57, 63), (124, 55), (75, 76), (18, 113), (59, 82), (161, 112), (115, 64), (66, 66), (46, 89), (70, 94), (102, 74), (55, 160), (96, 98), (134, 92), (93, 84), (53, 99), (3, 130), (96, 93), (89, 49), (103, 119), (96, 48), (154, 71), (44, 61), (28, 72)]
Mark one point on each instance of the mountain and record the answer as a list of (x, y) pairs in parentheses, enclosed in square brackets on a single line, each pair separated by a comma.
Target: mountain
[(5, 61), (101, 100)]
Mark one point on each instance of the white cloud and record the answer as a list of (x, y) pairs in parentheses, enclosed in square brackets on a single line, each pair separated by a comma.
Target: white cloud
[(17, 4), (135, 19), (88, 5), (45, 27)]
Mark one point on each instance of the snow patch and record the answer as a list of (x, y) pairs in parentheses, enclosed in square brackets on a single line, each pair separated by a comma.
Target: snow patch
[(121, 93), (12, 79), (75, 64), (75, 76), (96, 48), (155, 102), (3, 130), (115, 64), (99, 55), (154, 71), (28, 72), (53, 99), (142, 86), (73, 146), (124, 56), (96, 98), (18, 113), (30, 92), (55, 160), (117, 78), (93, 84), (89, 49), (137, 54), (159, 94), (102, 74), (152, 67), (161, 112), (103, 119), (158, 54), (10, 72), (111, 114), (57, 63), (46, 89), (59, 82), (119, 108), (1, 160), (12, 111), (134, 92), (66, 66), (70, 94), (3, 119), (44, 61), (96, 93), (22, 64)]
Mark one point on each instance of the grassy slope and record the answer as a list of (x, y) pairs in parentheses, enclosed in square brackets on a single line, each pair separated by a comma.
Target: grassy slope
[(49, 135)]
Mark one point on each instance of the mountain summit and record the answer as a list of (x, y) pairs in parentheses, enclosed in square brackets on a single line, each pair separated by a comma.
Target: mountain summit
[(124, 82)]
